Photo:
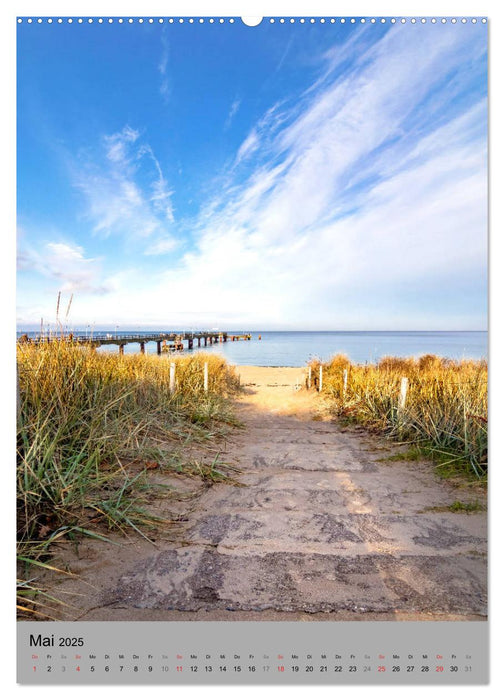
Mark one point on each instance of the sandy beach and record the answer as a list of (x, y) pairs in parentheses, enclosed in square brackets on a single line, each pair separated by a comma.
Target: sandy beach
[(277, 389)]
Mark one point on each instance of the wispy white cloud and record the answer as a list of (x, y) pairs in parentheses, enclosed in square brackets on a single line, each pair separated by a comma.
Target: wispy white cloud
[(125, 189), (116, 144), (162, 246), (248, 147), (235, 106), (284, 55), (164, 87), (161, 193), (67, 264)]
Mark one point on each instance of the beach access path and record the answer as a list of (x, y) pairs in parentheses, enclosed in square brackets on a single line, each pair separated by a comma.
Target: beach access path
[(323, 527)]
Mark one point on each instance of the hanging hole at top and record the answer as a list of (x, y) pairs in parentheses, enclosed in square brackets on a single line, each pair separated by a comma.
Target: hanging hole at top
[(252, 21)]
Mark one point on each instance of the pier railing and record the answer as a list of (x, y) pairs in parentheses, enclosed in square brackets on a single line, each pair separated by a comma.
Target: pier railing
[(166, 341)]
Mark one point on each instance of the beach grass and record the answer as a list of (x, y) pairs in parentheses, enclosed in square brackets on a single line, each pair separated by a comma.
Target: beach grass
[(445, 411), (85, 418)]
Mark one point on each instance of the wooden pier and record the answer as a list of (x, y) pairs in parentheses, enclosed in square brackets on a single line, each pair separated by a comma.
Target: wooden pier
[(166, 342)]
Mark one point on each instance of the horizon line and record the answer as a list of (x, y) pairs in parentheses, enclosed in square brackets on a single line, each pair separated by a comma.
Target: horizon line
[(265, 330)]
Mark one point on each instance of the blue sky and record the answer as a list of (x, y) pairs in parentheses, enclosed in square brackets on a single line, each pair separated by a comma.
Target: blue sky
[(309, 176)]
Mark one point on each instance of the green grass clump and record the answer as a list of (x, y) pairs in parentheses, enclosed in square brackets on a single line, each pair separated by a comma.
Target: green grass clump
[(459, 507), (83, 416), (413, 454), (472, 507), (445, 412)]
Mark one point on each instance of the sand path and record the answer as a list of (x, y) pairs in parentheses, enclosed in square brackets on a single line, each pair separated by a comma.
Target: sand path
[(323, 528)]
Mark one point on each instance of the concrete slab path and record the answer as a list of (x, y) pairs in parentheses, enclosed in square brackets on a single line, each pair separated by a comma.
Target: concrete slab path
[(323, 527)]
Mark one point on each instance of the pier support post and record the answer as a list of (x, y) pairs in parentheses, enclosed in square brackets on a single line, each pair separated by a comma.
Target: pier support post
[(205, 377), (206, 340), (199, 342), (190, 343), (210, 340), (159, 347), (142, 348), (172, 377), (121, 349)]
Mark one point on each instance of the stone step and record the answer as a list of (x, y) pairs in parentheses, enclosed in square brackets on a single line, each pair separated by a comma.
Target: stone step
[(383, 493), (299, 531), (198, 578)]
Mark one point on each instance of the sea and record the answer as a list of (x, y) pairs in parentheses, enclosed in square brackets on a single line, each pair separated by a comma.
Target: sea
[(296, 348)]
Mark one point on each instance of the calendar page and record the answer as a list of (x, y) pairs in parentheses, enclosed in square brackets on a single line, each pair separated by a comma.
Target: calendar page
[(252, 349)]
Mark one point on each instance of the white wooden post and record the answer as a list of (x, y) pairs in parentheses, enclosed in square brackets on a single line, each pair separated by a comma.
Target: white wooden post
[(172, 377), (320, 378), (205, 377), (309, 377), (345, 381), (403, 393)]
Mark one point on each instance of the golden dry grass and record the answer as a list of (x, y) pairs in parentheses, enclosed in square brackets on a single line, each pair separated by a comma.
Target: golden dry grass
[(446, 404), (83, 414)]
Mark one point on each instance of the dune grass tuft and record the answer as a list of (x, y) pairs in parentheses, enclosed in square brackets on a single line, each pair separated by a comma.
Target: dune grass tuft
[(83, 415), (446, 406)]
